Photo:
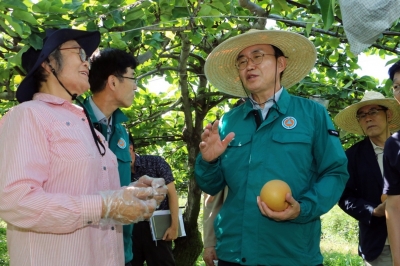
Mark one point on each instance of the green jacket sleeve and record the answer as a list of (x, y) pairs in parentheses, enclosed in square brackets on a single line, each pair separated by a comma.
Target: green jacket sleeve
[(332, 174)]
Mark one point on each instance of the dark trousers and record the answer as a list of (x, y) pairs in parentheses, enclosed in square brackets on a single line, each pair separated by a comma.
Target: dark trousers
[(225, 263), (145, 249)]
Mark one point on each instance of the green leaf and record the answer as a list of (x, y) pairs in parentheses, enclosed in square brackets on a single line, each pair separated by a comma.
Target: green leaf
[(331, 73), (208, 22), (134, 14), (334, 57), (224, 26), (281, 4), (117, 42), (180, 12), (308, 28), (348, 84), (25, 16), (12, 4), (41, 7), (334, 42), (91, 26), (116, 15), (327, 12), (108, 23), (349, 53), (388, 84), (6, 28), (196, 37), (134, 24), (220, 6), (205, 10), (35, 41), (392, 61), (14, 24)]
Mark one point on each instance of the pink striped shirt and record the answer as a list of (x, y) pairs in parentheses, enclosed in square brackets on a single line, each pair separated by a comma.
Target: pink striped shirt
[(51, 173)]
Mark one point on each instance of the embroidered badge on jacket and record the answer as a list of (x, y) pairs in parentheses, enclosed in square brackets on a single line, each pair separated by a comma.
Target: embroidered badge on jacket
[(121, 143), (289, 122)]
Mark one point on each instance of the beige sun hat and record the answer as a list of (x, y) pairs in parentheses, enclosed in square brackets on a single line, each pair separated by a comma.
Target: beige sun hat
[(346, 119), (220, 67)]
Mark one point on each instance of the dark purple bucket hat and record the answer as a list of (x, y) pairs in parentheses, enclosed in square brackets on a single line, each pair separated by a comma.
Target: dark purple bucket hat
[(32, 59)]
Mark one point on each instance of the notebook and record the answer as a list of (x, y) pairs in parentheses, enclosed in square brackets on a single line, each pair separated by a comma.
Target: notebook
[(161, 221)]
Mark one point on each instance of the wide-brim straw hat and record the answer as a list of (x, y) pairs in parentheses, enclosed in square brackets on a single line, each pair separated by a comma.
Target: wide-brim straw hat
[(32, 59), (222, 73), (346, 119)]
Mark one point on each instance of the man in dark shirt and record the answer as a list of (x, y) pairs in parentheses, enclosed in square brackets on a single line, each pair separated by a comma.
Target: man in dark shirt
[(391, 165), (144, 248), (374, 117)]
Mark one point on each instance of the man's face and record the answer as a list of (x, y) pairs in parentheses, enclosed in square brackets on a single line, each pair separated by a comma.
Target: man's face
[(125, 89), (396, 86), (374, 120), (263, 76)]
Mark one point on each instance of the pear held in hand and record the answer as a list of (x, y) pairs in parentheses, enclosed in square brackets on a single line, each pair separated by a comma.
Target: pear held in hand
[(273, 193)]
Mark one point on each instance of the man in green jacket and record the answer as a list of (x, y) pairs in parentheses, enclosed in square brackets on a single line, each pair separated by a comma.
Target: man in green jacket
[(273, 135), (113, 85)]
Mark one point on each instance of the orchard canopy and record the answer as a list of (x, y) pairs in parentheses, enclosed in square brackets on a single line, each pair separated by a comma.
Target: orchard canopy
[(172, 38)]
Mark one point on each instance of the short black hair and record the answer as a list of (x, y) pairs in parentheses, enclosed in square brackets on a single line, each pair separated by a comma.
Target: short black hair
[(110, 61), (278, 53), (394, 69)]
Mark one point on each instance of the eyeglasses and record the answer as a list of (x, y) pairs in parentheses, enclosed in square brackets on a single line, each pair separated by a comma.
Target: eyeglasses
[(82, 54), (396, 89), (134, 79), (256, 58), (372, 112)]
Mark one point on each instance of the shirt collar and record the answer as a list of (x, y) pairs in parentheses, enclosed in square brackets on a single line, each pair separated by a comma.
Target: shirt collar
[(49, 98), (101, 118), (269, 103), (55, 100), (377, 148), (283, 98)]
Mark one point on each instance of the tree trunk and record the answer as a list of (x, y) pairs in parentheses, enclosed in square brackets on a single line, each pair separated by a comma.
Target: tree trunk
[(187, 249)]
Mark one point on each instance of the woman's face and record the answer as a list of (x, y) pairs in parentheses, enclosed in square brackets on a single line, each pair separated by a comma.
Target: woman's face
[(73, 72)]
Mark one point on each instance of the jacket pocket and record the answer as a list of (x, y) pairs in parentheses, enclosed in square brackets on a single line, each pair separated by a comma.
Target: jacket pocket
[(123, 155), (292, 138), (240, 140)]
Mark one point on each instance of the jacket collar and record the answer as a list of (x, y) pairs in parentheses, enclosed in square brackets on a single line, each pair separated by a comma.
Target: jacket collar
[(283, 104), (118, 116)]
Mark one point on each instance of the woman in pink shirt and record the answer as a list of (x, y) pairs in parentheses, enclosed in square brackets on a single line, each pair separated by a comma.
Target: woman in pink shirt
[(59, 187)]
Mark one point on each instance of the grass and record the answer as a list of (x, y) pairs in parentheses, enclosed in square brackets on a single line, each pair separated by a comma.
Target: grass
[(4, 259), (338, 241)]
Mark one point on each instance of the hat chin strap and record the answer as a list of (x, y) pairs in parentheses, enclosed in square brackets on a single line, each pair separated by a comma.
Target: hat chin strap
[(96, 138), (73, 96)]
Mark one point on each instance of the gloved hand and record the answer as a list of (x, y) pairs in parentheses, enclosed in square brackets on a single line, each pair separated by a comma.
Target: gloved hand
[(127, 205), (156, 184)]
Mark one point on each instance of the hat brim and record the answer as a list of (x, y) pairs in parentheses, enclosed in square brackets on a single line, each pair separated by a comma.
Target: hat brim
[(346, 119), (220, 67), (88, 40)]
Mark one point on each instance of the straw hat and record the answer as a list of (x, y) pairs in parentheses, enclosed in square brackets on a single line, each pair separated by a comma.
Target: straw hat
[(220, 67), (32, 59), (346, 119)]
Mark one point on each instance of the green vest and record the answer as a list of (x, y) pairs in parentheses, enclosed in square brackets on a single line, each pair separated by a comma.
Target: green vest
[(119, 145)]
